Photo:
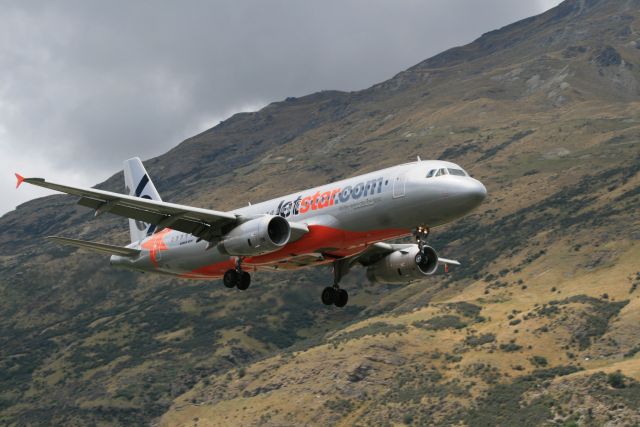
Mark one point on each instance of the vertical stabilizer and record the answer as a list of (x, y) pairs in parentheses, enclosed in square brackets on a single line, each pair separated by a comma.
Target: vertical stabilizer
[(137, 183)]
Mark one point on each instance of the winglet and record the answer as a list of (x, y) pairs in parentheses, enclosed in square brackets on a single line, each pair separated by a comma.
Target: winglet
[(20, 179)]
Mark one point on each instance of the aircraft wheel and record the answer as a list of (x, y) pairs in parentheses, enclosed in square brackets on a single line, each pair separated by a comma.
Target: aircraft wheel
[(244, 281), (341, 298), (328, 295), (230, 278)]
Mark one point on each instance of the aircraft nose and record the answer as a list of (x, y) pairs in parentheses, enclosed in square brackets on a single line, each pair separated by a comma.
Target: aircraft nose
[(476, 192), (469, 194)]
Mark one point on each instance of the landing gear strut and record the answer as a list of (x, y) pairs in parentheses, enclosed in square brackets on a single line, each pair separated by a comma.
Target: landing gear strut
[(237, 278), (421, 234), (334, 295)]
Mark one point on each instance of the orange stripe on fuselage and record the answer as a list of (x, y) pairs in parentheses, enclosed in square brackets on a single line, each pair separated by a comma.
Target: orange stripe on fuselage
[(320, 238)]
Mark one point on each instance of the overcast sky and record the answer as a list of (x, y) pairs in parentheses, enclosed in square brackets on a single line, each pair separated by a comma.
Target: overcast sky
[(85, 85)]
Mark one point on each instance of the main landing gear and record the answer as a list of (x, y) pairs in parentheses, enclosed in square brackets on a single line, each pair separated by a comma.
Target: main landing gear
[(334, 295), (237, 278)]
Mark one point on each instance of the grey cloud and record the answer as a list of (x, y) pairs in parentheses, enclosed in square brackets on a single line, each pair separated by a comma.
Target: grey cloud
[(87, 84)]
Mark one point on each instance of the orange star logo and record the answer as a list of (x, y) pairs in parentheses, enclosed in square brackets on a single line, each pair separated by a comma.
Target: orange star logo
[(155, 244)]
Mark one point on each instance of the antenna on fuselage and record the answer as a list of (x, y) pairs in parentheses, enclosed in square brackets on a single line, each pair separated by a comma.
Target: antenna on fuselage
[(419, 159)]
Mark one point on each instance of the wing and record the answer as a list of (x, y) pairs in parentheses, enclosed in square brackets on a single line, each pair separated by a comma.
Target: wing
[(97, 247), (379, 250), (202, 223)]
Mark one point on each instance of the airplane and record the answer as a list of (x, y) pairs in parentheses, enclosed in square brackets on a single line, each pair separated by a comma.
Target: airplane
[(345, 223)]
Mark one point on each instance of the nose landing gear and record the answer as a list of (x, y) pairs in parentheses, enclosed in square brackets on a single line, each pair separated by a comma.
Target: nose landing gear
[(421, 234), (237, 278), (334, 295)]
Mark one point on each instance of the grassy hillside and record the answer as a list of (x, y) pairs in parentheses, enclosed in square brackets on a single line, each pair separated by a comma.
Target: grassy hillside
[(534, 327)]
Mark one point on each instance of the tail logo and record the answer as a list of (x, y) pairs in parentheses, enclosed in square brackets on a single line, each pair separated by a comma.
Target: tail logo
[(142, 226)]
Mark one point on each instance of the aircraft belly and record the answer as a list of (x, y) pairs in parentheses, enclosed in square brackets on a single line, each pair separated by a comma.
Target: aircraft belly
[(321, 245)]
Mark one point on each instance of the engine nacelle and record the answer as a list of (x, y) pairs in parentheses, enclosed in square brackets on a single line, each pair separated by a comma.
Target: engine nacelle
[(257, 236), (403, 266)]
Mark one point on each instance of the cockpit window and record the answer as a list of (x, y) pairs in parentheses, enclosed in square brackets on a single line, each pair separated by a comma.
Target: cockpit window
[(458, 172), (445, 171)]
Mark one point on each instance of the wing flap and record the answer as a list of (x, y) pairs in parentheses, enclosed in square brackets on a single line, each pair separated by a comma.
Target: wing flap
[(96, 247), (180, 221)]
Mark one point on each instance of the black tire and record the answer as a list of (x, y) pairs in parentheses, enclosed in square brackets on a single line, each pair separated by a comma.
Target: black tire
[(230, 278), (419, 258), (328, 295), (244, 281), (341, 298)]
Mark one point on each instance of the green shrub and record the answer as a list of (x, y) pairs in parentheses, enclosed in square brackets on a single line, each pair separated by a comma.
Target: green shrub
[(465, 308), (441, 322), (407, 418), (616, 379), (341, 406), (510, 347), (376, 328), (476, 340), (539, 361)]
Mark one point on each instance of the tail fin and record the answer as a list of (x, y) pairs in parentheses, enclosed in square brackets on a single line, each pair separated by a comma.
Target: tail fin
[(137, 183)]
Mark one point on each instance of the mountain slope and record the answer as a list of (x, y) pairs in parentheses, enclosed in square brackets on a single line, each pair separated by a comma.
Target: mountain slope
[(543, 111)]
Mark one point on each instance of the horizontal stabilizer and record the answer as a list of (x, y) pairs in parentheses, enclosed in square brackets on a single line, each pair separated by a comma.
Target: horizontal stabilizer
[(97, 247)]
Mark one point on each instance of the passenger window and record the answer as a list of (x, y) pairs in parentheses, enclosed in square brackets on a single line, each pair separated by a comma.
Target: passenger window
[(457, 172), (431, 172)]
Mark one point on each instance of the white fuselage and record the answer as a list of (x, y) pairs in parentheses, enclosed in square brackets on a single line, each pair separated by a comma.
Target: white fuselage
[(343, 219)]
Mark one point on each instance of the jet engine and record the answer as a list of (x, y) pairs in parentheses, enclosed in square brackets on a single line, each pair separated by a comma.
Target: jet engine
[(258, 236), (403, 266)]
